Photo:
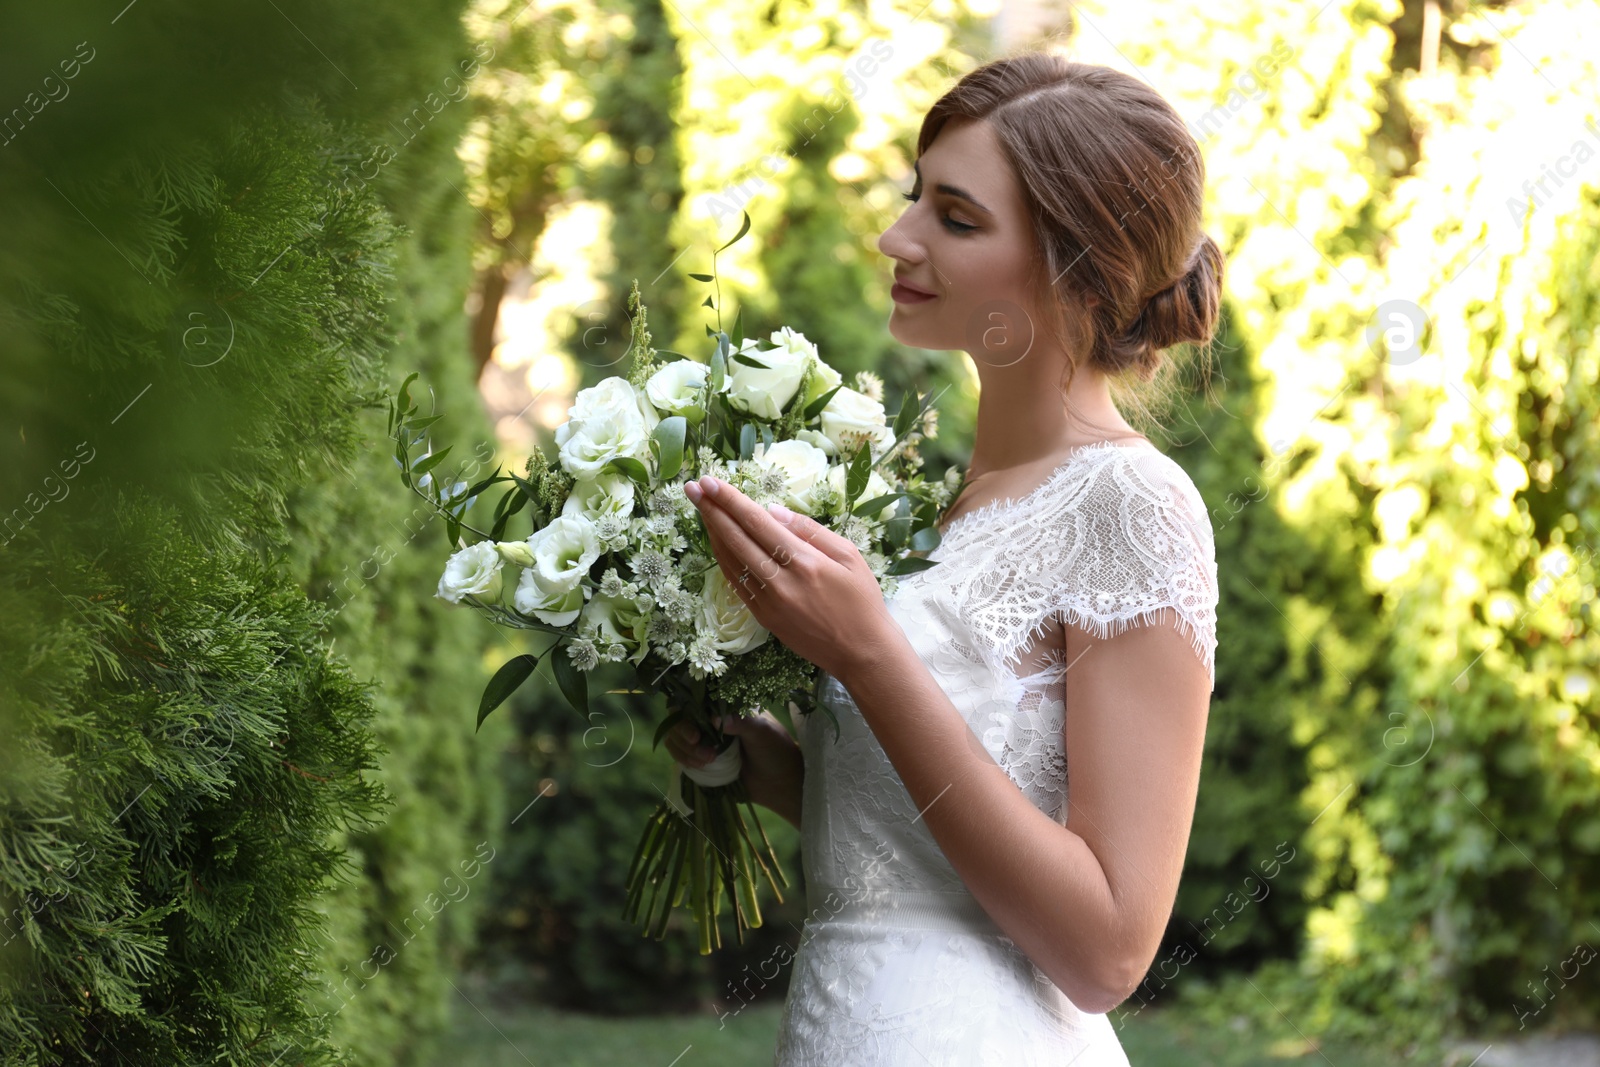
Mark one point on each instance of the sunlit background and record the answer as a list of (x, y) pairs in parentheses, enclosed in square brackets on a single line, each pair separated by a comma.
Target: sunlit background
[(241, 788)]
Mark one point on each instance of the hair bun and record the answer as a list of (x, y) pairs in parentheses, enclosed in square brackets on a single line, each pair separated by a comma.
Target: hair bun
[(1184, 311)]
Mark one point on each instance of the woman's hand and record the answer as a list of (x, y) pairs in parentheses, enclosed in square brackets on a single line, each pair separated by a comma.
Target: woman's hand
[(771, 764), (806, 584)]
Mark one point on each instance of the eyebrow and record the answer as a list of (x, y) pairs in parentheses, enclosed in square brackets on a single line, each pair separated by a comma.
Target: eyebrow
[(952, 190)]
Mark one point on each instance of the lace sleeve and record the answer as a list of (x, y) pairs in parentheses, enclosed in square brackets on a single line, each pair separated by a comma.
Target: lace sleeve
[(1139, 548)]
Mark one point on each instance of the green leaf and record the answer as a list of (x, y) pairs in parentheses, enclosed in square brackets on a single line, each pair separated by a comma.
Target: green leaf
[(911, 565), (855, 481), (876, 504), (430, 462), (405, 393), (719, 369), (909, 409), (738, 329), (706, 303), (573, 682), (630, 468), (744, 228), (814, 408), (750, 361), (926, 539), (700, 277), (747, 440), (452, 530), (507, 680), (670, 352), (423, 423), (669, 436)]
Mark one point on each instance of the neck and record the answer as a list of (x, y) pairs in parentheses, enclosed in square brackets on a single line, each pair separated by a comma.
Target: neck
[(1025, 417)]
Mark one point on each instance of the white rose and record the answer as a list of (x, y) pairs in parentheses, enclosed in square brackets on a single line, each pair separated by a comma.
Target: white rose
[(803, 464), (733, 626), (876, 486), (609, 493), (605, 421), (675, 388), (552, 589), (850, 415), (763, 391), (474, 571)]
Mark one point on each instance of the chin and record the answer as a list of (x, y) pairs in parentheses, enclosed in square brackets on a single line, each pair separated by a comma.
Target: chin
[(914, 334)]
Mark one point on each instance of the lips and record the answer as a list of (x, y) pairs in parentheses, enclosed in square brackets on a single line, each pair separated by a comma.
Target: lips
[(917, 289), (903, 293)]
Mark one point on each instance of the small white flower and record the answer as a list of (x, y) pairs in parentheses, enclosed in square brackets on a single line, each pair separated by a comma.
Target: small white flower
[(870, 384), (473, 571)]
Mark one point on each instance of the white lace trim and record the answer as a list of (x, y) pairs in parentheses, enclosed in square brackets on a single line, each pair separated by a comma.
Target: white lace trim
[(1116, 537)]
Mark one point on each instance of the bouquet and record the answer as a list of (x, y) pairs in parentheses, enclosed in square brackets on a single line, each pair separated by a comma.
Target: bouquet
[(618, 568)]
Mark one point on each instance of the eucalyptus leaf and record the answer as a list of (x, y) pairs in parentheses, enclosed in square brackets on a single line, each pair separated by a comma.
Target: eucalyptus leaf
[(669, 437), (629, 467), (747, 440)]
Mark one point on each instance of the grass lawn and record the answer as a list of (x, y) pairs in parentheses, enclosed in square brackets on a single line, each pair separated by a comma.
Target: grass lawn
[(489, 1036)]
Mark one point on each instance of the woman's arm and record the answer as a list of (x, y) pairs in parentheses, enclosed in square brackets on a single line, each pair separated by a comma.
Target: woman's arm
[(1087, 902)]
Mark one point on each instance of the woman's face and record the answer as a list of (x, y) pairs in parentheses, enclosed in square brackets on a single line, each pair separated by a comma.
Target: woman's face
[(967, 240)]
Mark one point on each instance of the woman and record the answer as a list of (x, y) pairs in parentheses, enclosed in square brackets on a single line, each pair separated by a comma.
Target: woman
[(961, 911)]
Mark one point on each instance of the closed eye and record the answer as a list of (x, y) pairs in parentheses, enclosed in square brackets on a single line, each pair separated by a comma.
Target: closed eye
[(950, 224)]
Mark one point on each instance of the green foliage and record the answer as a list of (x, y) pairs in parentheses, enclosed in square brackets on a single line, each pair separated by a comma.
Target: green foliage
[(188, 750), (204, 277)]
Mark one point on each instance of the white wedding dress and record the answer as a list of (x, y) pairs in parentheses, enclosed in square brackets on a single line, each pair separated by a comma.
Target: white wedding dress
[(898, 965)]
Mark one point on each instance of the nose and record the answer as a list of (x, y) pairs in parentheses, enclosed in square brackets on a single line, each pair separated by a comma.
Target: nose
[(897, 244)]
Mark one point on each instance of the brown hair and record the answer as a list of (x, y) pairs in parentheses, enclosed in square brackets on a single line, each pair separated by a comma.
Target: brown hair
[(1114, 182)]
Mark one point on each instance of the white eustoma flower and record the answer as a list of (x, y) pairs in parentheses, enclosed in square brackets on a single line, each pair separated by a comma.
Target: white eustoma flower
[(552, 589), (732, 626), (876, 486), (850, 416), (763, 391), (608, 493), (675, 388), (474, 571), (804, 465), (605, 421)]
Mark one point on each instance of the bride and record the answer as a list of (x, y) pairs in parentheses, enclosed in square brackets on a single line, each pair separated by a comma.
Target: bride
[(961, 912)]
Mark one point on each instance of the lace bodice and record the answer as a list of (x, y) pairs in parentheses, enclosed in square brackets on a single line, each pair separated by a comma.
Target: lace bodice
[(1117, 536)]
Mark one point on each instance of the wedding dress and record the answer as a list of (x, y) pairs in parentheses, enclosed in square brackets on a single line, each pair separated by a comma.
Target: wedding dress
[(897, 962)]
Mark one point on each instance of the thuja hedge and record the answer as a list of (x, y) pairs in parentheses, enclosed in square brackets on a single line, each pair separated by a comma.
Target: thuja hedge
[(231, 755)]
